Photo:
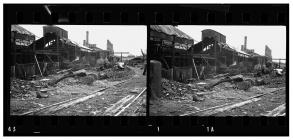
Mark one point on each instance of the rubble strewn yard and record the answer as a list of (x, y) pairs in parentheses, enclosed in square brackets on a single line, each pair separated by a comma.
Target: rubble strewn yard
[(54, 75), (24, 93), (210, 77), (193, 98)]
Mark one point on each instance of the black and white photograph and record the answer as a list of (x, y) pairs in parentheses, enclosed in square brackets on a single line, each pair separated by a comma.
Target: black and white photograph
[(78, 70), (200, 70)]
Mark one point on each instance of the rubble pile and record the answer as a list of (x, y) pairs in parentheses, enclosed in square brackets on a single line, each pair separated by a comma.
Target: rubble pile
[(89, 79), (242, 67), (277, 82), (23, 89), (224, 86), (114, 74), (76, 65), (170, 89), (68, 81)]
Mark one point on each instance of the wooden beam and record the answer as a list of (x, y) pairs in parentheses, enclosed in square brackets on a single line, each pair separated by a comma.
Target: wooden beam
[(38, 65), (114, 108), (195, 69), (226, 108), (117, 114), (75, 102), (277, 111)]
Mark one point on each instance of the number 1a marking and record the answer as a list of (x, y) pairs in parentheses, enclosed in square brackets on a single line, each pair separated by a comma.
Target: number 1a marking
[(210, 129)]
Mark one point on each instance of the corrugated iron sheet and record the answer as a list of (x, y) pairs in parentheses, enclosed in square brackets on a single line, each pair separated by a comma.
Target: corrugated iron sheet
[(21, 30), (170, 30)]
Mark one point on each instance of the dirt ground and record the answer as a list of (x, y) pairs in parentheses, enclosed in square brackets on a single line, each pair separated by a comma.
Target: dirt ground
[(176, 104), (70, 88)]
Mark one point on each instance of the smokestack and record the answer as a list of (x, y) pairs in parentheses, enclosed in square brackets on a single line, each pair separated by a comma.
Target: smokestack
[(245, 42), (87, 37)]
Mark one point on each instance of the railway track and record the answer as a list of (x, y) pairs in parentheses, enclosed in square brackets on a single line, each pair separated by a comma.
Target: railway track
[(70, 102), (118, 108)]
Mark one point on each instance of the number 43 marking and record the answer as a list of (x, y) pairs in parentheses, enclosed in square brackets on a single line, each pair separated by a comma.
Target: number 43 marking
[(11, 129)]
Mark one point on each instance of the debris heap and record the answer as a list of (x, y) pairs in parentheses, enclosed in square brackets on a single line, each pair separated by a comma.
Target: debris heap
[(114, 74), (171, 89)]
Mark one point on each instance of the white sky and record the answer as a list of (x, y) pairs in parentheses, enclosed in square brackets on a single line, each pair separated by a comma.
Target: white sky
[(125, 38), (257, 37)]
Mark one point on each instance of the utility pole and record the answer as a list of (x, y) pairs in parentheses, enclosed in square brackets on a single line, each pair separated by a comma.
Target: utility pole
[(121, 54)]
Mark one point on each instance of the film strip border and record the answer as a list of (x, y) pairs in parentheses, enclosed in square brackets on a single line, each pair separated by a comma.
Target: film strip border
[(270, 14), (221, 14), (146, 126)]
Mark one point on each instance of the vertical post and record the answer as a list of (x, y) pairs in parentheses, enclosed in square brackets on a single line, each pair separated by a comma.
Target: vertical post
[(215, 48), (57, 44), (121, 56), (14, 55), (173, 58), (173, 52)]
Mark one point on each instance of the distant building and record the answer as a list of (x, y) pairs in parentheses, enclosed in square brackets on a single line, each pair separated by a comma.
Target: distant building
[(110, 47), (87, 44), (244, 47), (54, 29)]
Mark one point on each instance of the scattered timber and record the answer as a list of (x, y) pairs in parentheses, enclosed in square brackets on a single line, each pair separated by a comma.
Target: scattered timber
[(117, 114), (66, 105), (277, 111), (227, 104), (115, 107), (229, 107), (229, 79), (63, 71), (67, 101)]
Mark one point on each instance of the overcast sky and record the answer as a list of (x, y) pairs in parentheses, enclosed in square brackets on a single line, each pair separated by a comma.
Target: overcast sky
[(257, 37), (124, 37)]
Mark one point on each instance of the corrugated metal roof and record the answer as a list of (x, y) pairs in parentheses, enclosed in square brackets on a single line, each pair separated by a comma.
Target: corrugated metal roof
[(170, 30), (239, 51), (21, 30), (212, 31), (83, 47)]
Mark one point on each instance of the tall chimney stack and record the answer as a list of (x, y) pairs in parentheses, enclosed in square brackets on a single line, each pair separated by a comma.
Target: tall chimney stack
[(87, 37), (245, 42)]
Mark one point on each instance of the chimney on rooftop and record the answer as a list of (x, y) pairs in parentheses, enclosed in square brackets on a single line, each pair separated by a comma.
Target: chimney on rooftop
[(245, 42), (87, 37)]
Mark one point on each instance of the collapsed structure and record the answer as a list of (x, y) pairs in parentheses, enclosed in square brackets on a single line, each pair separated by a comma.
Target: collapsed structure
[(50, 52), (54, 75), (183, 60), (211, 77)]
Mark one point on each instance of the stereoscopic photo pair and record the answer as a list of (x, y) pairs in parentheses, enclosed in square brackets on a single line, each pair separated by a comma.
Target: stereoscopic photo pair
[(153, 70)]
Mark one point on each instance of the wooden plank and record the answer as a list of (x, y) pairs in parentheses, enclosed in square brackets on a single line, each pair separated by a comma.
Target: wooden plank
[(226, 108), (115, 107), (117, 114), (66, 105), (277, 111), (195, 69), (46, 52), (38, 65)]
